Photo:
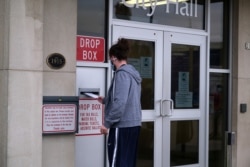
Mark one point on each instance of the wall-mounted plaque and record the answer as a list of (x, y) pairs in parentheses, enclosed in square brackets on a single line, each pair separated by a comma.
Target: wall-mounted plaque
[(56, 61), (60, 114)]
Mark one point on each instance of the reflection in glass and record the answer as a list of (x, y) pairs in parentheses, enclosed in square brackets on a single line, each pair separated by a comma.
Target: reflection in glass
[(185, 76), (145, 156), (218, 110), (185, 13), (91, 18), (142, 57), (184, 144), (219, 56)]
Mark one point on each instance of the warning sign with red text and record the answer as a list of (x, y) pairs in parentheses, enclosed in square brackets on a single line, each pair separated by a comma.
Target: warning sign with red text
[(59, 118), (90, 117), (90, 49)]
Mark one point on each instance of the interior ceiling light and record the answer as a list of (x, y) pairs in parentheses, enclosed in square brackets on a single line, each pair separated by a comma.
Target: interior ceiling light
[(148, 3)]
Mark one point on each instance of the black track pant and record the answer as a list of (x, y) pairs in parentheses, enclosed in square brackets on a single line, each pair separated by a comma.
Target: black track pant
[(122, 146)]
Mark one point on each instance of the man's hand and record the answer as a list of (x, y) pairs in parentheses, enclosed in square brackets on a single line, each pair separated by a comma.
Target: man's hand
[(100, 99), (103, 130)]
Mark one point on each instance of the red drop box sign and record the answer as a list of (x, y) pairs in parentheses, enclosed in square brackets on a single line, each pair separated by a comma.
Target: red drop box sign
[(90, 49)]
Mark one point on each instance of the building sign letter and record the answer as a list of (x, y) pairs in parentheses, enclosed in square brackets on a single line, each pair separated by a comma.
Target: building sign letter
[(181, 6)]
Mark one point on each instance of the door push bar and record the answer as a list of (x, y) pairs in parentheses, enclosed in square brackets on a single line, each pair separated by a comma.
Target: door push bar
[(164, 114)]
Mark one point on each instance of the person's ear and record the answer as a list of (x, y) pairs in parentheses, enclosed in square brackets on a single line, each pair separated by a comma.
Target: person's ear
[(113, 58)]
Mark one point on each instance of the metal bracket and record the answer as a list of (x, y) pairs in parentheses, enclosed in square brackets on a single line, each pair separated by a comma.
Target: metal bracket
[(230, 138)]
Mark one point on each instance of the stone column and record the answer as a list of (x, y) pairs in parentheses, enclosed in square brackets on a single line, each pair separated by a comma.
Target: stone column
[(59, 37), (21, 69), (241, 82)]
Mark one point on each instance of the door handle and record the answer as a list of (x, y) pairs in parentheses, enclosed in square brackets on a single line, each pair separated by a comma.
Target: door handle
[(163, 113)]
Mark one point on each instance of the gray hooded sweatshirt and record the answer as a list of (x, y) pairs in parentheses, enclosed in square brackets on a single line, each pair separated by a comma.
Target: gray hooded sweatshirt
[(123, 101)]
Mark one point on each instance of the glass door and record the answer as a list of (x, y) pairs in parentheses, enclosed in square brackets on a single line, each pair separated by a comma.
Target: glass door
[(146, 55), (183, 103), (173, 96)]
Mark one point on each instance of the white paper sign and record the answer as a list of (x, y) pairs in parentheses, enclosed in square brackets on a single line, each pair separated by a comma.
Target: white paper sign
[(90, 117), (184, 99), (146, 67), (59, 118), (183, 81), (91, 95)]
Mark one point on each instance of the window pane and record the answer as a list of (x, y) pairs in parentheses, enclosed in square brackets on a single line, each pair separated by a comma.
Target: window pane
[(188, 14), (184, 142), (91, 18), (219, 56), (145, 156), (141, 56), (218, 113), (185, 76)]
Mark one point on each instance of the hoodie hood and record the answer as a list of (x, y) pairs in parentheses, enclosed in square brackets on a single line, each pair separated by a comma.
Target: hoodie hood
[(132, 71)]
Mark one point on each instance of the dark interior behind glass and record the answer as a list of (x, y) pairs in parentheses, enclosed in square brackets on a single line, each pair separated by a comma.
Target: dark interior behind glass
[(193, 15), (185, 76), (142, 57)]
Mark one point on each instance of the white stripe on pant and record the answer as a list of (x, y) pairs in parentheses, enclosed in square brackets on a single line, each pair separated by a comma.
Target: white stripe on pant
[(116, 145)]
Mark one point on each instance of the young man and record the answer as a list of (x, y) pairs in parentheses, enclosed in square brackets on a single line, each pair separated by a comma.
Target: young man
[(122, 109)]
